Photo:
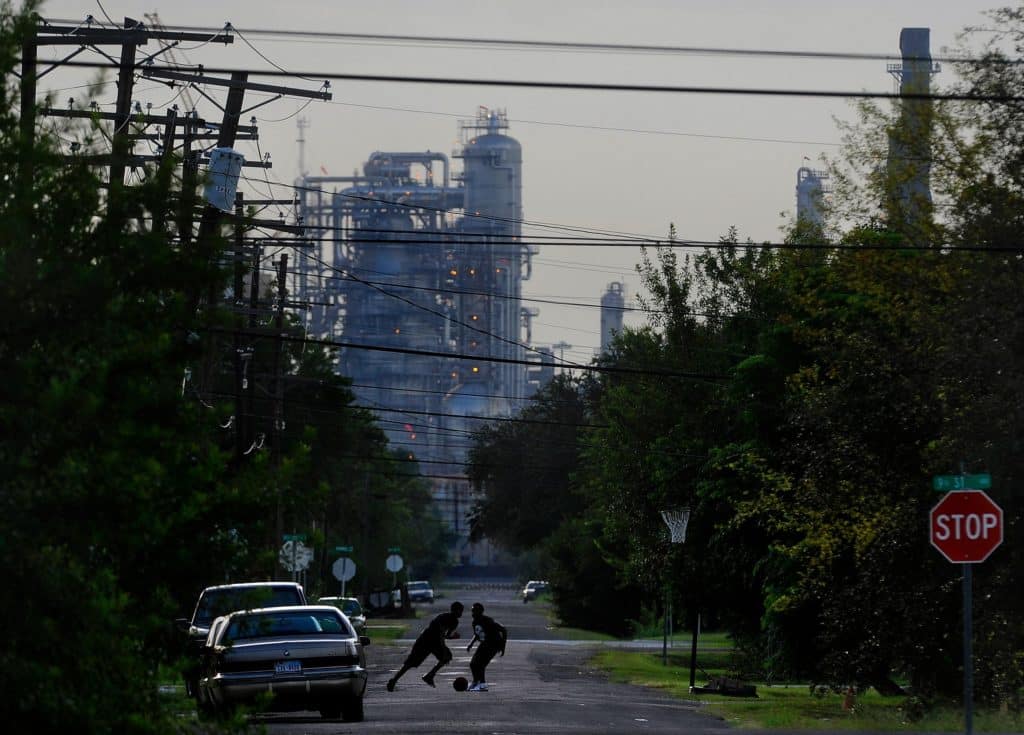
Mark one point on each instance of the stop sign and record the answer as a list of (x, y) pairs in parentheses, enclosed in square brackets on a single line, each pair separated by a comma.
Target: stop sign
[(966, 526)]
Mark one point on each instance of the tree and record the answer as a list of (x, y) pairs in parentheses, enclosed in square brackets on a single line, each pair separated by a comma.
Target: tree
[(521, 469), (106, 467), (123, 492)]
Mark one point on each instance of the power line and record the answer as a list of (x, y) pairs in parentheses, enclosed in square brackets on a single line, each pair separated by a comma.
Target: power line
[(562, 362), (582, 86), (390, 284), (623, 240), (575, 46), (426, 430), (608, 369), (604, 128), (412, 303), (636, 241)]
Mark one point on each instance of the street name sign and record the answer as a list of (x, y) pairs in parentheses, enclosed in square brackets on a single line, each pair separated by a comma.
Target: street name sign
[(945, 483)]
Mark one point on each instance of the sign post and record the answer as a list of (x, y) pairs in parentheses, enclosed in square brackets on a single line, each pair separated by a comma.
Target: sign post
[(966, 527)]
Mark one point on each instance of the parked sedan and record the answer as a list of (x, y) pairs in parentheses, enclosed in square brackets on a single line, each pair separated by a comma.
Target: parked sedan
[(533, 589), (352, 609), (226, 598), (285, 659), (420, 591)]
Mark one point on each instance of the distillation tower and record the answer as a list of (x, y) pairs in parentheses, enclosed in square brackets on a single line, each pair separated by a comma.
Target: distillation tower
[(613, 306), (810, 195), (419, 270)]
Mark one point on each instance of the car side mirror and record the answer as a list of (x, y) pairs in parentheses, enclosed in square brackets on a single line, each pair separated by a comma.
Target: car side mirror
[(182, 624), (364, 640)]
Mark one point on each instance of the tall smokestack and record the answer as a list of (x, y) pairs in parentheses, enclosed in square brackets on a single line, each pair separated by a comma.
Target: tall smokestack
[(909, 165)]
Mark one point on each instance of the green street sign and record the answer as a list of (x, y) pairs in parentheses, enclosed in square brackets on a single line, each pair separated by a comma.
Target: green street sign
[(343, 548), (295, 537), (393, 549), (945, 483)]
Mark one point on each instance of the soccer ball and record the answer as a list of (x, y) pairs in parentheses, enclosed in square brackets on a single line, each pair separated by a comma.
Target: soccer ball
[(460, 683)]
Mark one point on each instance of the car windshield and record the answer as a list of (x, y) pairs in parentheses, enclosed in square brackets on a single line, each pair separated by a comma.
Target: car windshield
[(215, 603), (419, 585), (291, 624), (348, 605)]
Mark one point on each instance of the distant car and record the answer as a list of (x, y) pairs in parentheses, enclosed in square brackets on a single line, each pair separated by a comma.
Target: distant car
[(226, 598), (533, 589), (352, 609), (285, 659), (419, 591)]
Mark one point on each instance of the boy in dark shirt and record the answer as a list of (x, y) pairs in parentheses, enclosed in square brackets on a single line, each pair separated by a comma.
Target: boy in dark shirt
[(432, 641), (492, 636)]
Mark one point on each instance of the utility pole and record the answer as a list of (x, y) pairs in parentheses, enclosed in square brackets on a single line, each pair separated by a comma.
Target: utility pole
[(250, 437), (167, 150), (28, 112), (278, 390), (238, 299), (189, 179), (121, 144), (225, 139), (302, 123), (561, 347)]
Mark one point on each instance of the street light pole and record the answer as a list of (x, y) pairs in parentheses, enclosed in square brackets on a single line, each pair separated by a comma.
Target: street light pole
[(561, 347)]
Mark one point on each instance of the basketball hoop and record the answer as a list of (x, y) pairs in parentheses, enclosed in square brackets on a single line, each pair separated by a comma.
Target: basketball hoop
[(676, 519)]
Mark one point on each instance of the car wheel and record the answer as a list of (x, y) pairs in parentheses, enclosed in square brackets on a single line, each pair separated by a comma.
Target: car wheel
[(204, 708), (331, 712), (352, 710)]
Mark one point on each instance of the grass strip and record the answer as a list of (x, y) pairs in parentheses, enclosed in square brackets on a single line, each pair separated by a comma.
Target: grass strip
[(793, 706), (385, 633)]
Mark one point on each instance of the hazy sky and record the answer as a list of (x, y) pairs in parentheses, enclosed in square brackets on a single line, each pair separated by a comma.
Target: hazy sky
[(688, 159)]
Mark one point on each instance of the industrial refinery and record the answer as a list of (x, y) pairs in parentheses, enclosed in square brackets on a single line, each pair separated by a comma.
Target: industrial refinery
[(422, 264), (417, 267)]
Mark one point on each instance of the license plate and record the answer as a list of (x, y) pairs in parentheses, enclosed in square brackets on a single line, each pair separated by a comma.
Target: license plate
[(288, 667)]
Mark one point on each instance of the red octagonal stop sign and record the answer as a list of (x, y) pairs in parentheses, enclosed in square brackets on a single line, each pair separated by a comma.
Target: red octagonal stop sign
[(966, 526)]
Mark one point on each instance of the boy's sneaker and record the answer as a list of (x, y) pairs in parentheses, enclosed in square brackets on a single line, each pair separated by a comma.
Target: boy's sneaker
[(391, 685), (429, 680), (481, 687)]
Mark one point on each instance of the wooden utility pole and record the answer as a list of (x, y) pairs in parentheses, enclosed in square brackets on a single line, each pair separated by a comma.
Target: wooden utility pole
[(238, 297), (121, 144), (28, 113), (167, 150), (278, 391)]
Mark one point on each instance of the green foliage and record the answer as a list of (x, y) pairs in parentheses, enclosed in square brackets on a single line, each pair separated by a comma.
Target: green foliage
[(523, 473), (125, 490), (825, 384), (525, 467), (585, 589)]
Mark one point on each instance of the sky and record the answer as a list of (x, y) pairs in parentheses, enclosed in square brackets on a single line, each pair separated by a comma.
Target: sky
[(628, 162)]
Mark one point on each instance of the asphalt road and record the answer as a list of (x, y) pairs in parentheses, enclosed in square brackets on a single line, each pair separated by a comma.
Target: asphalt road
[(541, 685)]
